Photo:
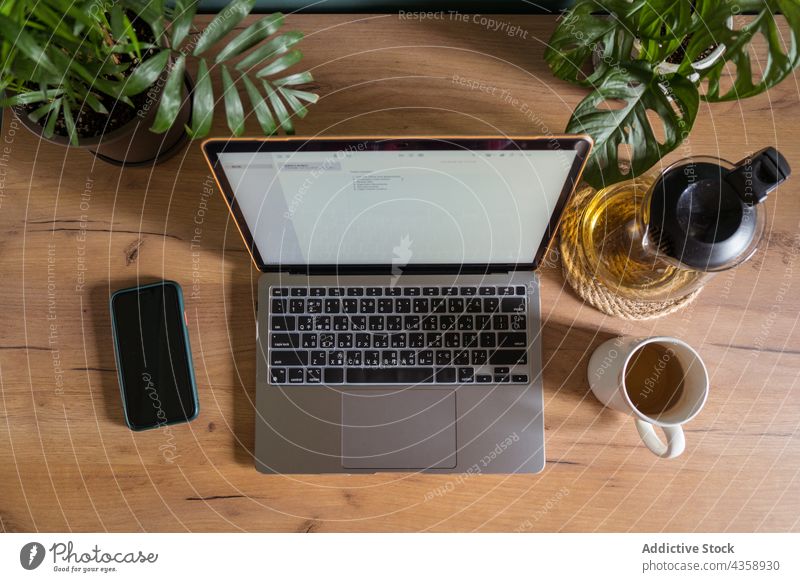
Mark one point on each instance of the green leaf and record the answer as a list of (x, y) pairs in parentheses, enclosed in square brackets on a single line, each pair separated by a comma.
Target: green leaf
[(50, 126), (639, 88), (280, 109), (281, 64), (584, 46), (95, 104), (779, 62), (144, 75), (275, 47), (152, 12), (70, 123), (171, 97), (233, 104), (223, 23), (182, 23), (37, 114), (302, 95), (296, 79), (260, 108), (293, 101), (117, 26), (250, 36), (25, 43), (203, 103), (29, 97)]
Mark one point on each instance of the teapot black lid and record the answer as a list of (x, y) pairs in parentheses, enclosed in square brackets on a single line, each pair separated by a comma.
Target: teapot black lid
[(704, 215)]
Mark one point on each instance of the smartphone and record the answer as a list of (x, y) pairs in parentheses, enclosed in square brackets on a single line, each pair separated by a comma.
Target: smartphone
[(154, 360)]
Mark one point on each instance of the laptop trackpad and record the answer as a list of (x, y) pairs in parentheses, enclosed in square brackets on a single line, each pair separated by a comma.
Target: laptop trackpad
[(400, 429)]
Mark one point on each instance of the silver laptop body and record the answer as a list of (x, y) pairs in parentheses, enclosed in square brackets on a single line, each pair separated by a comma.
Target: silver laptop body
[(363, 369)]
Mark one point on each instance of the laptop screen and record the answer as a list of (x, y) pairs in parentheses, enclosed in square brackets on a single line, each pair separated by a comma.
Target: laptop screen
[(397, 208)]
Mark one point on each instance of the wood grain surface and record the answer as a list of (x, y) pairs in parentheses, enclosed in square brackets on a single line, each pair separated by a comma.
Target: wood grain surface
[(73, 230)]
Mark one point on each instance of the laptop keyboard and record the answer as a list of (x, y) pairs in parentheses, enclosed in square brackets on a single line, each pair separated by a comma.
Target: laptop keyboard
[(398, 335)]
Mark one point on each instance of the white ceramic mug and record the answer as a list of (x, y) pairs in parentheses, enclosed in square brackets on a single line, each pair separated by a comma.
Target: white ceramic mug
[(607, 368)]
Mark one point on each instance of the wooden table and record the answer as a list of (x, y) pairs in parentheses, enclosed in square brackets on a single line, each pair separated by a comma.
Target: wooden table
[(73, 230)]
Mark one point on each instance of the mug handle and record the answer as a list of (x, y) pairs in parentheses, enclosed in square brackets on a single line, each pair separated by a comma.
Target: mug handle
[(675, 441)]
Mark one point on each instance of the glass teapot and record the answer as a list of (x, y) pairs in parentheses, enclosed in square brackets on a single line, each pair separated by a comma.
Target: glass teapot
[(662, 236)]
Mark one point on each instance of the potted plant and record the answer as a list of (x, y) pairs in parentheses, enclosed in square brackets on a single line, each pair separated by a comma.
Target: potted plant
[(640, 56), (110, 75)]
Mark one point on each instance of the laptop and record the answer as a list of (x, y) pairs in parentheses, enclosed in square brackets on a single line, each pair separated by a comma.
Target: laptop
[(398, 323)]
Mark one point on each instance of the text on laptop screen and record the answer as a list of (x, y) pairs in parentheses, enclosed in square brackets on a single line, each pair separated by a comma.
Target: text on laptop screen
[(397, 207)]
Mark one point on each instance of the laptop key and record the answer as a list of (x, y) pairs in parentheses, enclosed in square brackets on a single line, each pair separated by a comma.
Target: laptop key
[(305, 323), (429, 291), (474, 305), (336, 358), (350, 305), (430, 323), (508, 357), (469, 291), (333, 375), (310, 340), (479, 357), (380, 340), (461, 358), (277, 375), (500, 322), (314, 306), (313, 375), (327, 340), (487, 340), (297, 306), (486, 291), (412, 291), (512, 305), (466, 323), (445, 375), (322, 323), (450, 291), (452, 340), (319, 358), (317, 291), (505, 290), (520, 290), (416, 340), (402, 305), (394, 322), (393, 291), (518, 322), (408, 358), (283, 323), (280, 291), (466, 374), (374, 291), (376, 323), (358, 323), (399, 340), (367, 306), (389, 375), (279, 306), (389, 358), (353, 358), (519, 378), (447, 322), (372, 358), (411, 322), (285, 340), (421, 305), (469, 339), (296, 376), (425, 358), (363, 340), (455, 305), (341, 323), (355, 291), (512, 340), (298, 292), (288, 358), (385, 305), (438, 305), (443, 357), (483, 378), (336, 291), (333, 306), (344, 340), (490, 304)]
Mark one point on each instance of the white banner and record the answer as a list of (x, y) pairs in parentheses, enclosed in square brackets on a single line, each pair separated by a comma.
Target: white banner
[(354, 557)]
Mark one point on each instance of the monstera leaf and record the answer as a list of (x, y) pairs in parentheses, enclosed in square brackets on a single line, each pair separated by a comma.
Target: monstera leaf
[(780, 62), (584, 46), (637, 88)]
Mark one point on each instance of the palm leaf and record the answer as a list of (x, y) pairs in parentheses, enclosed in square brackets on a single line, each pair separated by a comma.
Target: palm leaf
[(203, 103), (275, 47), (233, 104), (279, 108), (251, 36), (281, 64), (171, 97), (260, 108), (182, 23), (144, 75), (222, 24)]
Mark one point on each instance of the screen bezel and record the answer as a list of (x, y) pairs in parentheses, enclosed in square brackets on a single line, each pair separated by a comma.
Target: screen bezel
[(177, 311), (580, 144)]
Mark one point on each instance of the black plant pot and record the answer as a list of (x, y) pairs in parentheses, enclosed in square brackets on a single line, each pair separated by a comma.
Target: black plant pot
[(133, 144)]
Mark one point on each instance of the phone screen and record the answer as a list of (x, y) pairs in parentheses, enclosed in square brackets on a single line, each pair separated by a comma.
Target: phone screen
[(153, 356)]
